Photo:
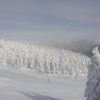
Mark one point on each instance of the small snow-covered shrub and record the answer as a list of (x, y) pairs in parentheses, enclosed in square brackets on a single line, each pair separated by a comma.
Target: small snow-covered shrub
[(42, 57)]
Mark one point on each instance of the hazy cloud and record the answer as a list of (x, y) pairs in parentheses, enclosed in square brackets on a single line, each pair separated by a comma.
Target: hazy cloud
[(50, 18)]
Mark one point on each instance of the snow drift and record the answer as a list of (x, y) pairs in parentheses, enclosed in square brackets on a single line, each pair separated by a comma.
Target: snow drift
[(48, 59)]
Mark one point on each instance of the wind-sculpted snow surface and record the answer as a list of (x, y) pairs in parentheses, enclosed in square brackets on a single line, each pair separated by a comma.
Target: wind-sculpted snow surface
[(44, 58)]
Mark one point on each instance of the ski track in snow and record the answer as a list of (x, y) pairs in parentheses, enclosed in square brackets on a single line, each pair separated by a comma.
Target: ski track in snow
[(16, 84)]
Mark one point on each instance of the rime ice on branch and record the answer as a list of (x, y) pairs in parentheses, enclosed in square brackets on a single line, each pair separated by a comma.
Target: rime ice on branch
[(92, 91)]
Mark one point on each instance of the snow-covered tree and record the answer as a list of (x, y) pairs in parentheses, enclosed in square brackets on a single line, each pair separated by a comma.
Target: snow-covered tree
[(92, 91), (24, 55)]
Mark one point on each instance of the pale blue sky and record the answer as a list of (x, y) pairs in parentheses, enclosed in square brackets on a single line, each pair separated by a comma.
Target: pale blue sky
[(37, 20)]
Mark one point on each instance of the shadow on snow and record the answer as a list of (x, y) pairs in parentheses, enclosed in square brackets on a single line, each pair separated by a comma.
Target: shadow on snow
[(35, 96)]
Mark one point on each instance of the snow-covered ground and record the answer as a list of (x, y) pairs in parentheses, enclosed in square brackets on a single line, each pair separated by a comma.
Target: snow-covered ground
[(17, 84)]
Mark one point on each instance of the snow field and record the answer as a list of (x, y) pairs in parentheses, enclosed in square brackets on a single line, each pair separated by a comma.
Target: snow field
[(16, 84)]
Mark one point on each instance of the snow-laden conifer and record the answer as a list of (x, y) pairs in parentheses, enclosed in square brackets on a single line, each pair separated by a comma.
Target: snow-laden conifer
[(92, 91)]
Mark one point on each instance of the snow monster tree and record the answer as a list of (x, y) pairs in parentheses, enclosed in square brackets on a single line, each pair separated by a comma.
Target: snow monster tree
[(92, 91)]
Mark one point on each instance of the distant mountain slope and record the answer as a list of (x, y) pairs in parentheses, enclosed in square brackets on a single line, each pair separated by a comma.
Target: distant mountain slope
[(44, 58), (83, 46)]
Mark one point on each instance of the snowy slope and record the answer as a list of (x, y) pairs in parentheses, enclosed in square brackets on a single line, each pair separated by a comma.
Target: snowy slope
[(17, 84), (47, 59)]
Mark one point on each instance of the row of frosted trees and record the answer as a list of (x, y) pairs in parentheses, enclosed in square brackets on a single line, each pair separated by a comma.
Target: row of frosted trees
[(44, 58)]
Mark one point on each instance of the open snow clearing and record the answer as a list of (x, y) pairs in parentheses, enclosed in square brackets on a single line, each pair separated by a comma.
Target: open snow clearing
[(17, 84)]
